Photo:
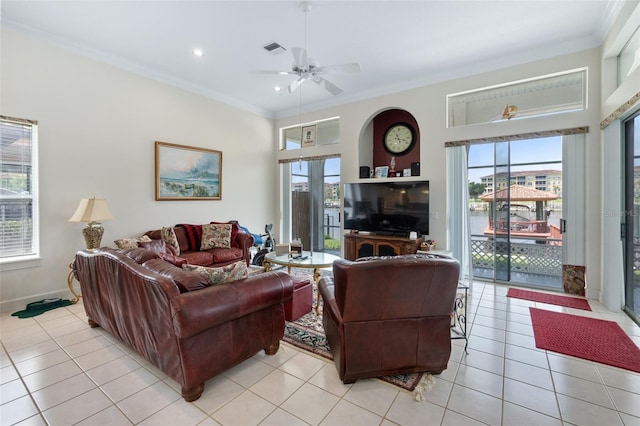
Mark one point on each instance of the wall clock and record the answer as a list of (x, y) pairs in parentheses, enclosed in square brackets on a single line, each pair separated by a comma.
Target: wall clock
[(399, 139)]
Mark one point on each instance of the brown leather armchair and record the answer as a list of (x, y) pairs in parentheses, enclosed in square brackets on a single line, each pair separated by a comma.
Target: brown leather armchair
[(389, 315)]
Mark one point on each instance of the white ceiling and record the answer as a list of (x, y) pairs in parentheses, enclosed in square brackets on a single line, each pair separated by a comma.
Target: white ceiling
[(399, 44)]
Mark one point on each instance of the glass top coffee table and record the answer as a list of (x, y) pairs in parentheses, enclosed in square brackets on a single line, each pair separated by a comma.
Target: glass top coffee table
[(315, 261)]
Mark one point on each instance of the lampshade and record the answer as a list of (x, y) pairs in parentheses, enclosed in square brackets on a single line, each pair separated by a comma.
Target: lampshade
[(92, 210)]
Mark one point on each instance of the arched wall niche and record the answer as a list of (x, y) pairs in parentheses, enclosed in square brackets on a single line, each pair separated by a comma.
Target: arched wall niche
[(371, 148)]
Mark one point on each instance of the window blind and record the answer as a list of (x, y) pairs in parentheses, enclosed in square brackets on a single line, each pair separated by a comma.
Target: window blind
[(17, 140)]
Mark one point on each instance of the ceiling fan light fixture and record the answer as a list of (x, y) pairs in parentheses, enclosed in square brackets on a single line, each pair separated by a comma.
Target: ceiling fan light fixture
[(306, 6)]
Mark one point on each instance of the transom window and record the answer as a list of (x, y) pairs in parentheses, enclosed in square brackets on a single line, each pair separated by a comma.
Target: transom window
[(549, 94)]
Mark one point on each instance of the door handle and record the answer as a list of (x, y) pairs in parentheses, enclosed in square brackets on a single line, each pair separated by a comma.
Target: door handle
[(563, 226)]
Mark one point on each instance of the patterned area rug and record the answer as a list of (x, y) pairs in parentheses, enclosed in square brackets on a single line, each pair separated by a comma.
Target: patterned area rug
[(307, 333), (551, 299), (583, 337)]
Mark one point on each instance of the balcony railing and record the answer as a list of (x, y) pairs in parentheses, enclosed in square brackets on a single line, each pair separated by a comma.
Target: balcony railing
[(529, 261)]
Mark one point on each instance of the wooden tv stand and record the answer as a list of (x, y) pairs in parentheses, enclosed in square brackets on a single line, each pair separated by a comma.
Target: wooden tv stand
[(361, 245)]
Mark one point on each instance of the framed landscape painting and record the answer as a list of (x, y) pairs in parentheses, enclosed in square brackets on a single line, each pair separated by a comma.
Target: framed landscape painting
[(187, 173)]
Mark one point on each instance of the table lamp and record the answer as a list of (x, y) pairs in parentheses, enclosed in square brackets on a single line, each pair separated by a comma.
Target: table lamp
[(92, 210)]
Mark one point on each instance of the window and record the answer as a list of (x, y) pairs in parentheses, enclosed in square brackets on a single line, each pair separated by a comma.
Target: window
[(327, 133), (18, 188), (515, 231), (629, 58), (315, 202), (550, 94)]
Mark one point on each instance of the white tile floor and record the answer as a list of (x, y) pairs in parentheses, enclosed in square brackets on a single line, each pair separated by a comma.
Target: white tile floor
[(56, 370)]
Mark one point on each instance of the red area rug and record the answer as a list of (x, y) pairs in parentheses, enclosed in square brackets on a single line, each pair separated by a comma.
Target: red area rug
[(551, 299), (587, 338)]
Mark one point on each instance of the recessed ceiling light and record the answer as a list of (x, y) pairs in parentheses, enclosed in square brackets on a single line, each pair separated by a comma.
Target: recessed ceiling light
[(198, 52), (277, 88)]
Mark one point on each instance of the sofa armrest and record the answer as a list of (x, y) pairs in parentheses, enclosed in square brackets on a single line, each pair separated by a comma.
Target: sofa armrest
[(245, 242), (329, 307), (201, 310)]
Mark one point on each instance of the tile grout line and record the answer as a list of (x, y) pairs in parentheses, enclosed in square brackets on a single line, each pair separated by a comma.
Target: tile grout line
[(83, 372), (20, 377)]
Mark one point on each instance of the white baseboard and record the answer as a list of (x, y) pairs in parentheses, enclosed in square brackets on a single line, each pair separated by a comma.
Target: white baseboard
[(21, 303)]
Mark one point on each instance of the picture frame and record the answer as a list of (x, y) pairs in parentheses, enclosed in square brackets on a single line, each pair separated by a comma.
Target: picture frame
[(308, 137), (382, 171), (406, 172), (187, 173)]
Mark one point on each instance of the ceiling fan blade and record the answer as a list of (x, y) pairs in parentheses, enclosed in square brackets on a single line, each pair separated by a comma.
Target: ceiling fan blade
[(342, 68), (300, 57), (273, 72), (296, 83), (329, 86)]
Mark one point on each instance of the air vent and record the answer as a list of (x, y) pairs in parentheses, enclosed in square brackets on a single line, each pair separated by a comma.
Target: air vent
[(274, 48)]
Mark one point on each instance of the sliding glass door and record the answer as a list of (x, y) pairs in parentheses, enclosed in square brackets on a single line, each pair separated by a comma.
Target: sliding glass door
[(631, 219), (314, 212), (516, 203)]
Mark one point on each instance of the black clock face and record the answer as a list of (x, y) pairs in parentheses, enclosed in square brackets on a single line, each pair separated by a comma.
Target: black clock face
[(399, 139)]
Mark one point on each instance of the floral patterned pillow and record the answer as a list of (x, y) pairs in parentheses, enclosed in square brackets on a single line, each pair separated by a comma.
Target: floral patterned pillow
[(216, 236), (222, 274), (169, 237), (125, 243)]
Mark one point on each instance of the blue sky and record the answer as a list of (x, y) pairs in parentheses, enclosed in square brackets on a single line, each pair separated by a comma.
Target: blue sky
[(332, 167), (522, 152)]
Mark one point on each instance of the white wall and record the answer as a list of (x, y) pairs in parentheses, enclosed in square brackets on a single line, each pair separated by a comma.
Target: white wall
[(428, 105), (97, 128)]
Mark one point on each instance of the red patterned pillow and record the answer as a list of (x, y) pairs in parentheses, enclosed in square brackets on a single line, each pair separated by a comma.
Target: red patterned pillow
[(194, 235)]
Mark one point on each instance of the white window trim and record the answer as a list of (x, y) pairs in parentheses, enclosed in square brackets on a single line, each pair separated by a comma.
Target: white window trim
[(31, 260)]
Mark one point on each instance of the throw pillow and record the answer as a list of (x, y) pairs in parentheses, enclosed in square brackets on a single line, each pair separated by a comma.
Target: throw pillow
[(194, 235), (125, 243), (235, 228), (216, 236), (222, 274), (169, 237)]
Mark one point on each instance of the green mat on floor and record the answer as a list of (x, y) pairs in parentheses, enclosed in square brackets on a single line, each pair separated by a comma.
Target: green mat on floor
[(41, 306)]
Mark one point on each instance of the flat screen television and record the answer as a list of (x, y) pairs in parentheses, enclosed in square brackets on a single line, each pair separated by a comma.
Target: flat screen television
[(387, 208)]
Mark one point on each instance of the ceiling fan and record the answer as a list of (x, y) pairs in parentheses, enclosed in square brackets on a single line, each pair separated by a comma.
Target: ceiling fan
[(307, 68)]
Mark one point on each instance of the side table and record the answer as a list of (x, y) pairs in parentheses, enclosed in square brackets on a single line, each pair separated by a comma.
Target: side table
[(459, 320), (70, 278)]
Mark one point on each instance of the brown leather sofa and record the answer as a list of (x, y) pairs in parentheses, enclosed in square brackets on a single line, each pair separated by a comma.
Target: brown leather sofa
[(389, 315), (188, 329), (241, 243)]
